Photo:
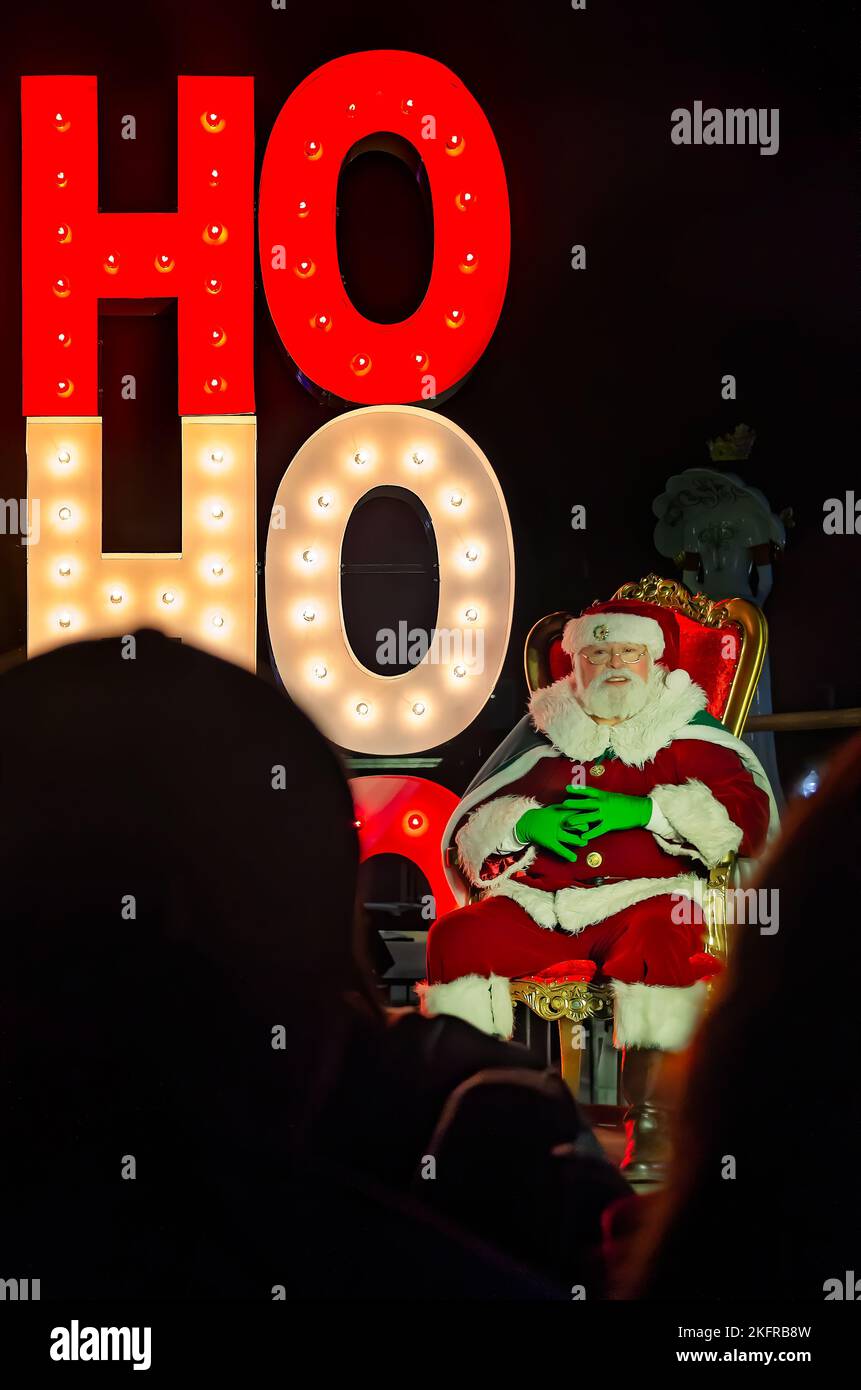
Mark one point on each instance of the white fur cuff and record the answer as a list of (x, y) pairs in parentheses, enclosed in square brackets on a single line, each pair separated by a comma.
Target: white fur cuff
[(482, 1000), (615, 627), (490, 830), (663, 1016), (699, 818)]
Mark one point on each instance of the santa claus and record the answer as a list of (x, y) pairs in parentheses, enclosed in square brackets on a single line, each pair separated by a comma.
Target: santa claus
[(590, 834)]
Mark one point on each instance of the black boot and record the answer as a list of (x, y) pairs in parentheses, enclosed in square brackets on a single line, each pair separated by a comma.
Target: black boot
[(647, 1118)]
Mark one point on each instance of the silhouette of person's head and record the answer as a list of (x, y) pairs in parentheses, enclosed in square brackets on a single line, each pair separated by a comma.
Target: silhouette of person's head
[(178, 866)]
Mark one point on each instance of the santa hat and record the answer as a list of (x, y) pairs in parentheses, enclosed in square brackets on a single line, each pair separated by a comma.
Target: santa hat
[(629, 620)]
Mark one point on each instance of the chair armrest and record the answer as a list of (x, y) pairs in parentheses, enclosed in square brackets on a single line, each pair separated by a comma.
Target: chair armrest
[(720, 882)]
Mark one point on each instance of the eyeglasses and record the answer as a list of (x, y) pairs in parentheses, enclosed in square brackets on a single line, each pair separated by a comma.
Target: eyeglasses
[(600, 656)]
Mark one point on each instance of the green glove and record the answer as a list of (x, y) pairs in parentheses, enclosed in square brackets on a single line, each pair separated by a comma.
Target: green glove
[(592, 813), (546, 826)]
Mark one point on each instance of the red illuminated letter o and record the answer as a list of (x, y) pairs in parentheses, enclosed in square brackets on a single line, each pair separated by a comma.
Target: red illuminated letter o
[(334, 345)]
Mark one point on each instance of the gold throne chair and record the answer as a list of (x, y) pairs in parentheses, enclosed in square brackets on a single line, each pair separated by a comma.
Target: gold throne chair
[(723, 644)]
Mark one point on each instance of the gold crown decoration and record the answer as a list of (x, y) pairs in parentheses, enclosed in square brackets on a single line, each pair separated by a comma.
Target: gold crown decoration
[(733, 446)]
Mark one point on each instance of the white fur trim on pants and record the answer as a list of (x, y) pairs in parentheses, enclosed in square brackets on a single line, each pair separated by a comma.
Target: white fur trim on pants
[(663, 1016), (482, 1000)]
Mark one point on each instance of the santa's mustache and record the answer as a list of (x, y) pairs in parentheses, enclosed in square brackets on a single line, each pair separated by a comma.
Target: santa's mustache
[(612, 674), (620, 692)]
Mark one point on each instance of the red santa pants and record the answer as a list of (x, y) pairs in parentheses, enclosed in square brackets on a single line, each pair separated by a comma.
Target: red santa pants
[(641, 944)]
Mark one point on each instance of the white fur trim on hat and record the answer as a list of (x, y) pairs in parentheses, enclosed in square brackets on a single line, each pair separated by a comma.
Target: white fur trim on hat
[(663, 1016), (482, 1000), (677, 680), (616, 627)]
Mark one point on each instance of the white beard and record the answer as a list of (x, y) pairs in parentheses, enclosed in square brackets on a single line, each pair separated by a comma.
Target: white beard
[(618, 701)]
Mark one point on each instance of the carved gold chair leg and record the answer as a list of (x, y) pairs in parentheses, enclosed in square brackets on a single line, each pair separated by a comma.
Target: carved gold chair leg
[(571, 1036), (570, 1003)]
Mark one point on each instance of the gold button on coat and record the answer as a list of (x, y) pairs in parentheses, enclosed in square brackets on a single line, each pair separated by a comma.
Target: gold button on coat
[(597, 770), (594, 859)]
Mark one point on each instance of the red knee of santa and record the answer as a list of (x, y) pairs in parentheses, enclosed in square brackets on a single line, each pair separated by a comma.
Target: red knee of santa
[(472, 955), (658, 969), (654, 964)]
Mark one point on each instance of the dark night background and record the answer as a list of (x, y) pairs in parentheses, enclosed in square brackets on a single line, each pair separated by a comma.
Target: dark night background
[(597, 385)]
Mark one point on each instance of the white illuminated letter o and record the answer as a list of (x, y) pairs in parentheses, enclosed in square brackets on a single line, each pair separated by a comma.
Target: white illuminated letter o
[(432, 457)]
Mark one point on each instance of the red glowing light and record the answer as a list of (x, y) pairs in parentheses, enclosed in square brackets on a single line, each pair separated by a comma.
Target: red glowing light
[(124, 255), (406, 816), (350, 99), (130, 247)]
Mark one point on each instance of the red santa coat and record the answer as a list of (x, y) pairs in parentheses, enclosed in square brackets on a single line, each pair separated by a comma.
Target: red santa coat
[(709, 793)]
